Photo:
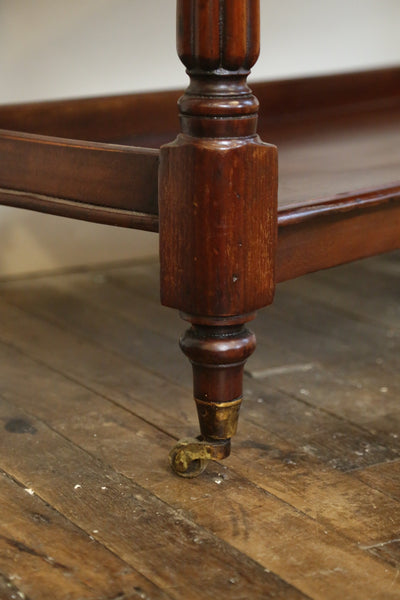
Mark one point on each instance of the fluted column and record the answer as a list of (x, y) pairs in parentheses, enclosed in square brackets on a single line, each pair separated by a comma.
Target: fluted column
[(218, 42)]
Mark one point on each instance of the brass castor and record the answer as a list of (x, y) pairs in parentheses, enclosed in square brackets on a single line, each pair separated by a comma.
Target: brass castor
[(190, 456)]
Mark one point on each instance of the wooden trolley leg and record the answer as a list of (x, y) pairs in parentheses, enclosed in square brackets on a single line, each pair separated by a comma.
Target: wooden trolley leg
[(218, 223)]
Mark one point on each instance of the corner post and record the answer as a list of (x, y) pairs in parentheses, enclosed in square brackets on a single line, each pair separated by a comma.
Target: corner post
[(218, 216)]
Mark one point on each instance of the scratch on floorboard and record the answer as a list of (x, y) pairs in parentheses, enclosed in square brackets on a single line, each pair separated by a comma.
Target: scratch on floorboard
[(282, 370)]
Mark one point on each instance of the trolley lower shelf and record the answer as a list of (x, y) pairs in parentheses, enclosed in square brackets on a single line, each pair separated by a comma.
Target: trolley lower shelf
[(338, 140)]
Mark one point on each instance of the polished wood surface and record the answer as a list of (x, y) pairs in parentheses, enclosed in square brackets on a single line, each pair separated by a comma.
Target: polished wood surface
[(217, 215), (338, 238), (218, 234), (79, 210), (109, 119), (150, 119), (338, 139), (329, 129), (324, 156), (85, 172)]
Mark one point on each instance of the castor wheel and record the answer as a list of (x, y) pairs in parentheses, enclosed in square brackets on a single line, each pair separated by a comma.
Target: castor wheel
[(190, 456)]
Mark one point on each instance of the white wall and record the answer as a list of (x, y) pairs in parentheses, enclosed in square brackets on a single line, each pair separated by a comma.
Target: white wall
[(59, 48)]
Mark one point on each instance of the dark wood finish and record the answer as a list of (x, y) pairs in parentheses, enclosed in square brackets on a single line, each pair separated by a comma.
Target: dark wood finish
[(339, 233), (339, 196), (335, 134), (218, 356), (103, 119), (110, 176), (145, 116), (218, 219), (217, 233), (79, 210)]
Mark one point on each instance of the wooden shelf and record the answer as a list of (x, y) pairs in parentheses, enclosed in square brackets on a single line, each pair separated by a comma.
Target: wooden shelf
[(338, 139)]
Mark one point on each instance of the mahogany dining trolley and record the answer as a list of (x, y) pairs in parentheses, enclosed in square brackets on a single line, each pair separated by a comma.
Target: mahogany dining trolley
[(228, 232)]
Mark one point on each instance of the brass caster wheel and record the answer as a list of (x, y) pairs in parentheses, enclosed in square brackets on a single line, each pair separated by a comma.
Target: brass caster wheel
[(189, 457)]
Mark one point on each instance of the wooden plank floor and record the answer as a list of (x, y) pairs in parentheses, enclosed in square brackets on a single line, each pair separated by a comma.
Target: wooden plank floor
[(94, 391)]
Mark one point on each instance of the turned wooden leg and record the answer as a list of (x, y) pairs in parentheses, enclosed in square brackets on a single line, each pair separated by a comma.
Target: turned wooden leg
[(217, 216), (218, 355)]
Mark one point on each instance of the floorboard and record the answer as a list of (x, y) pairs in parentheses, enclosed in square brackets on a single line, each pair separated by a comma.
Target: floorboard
[(94, 391)]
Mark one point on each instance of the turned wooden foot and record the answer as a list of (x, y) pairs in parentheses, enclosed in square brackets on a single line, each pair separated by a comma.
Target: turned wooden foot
[(218, 355)]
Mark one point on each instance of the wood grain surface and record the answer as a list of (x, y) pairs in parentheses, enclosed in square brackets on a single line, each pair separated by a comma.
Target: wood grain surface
[(310, 493)]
